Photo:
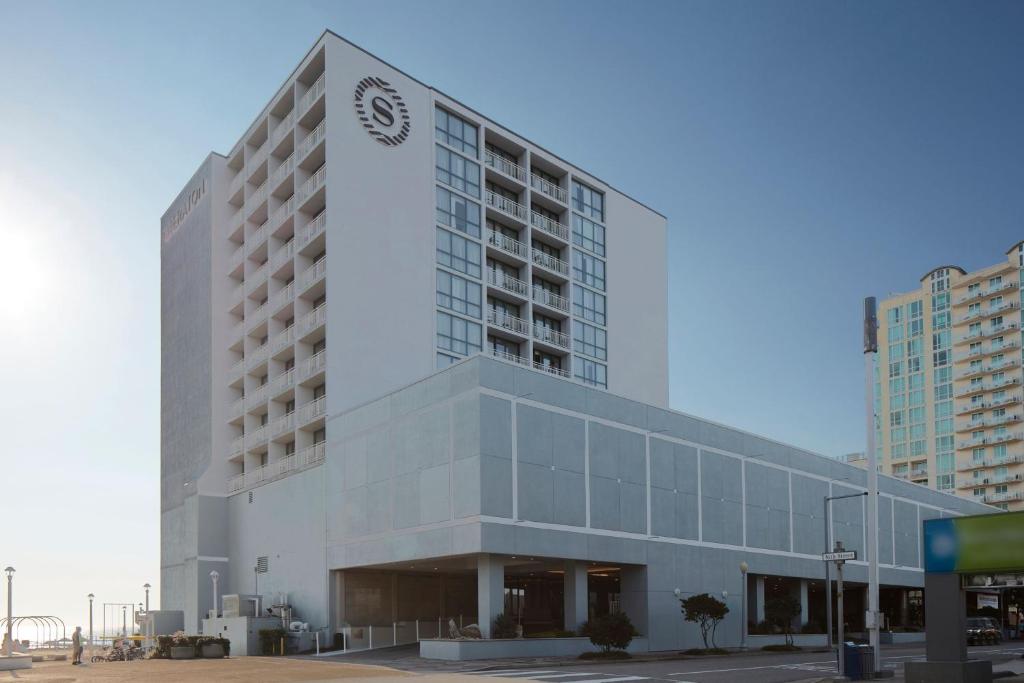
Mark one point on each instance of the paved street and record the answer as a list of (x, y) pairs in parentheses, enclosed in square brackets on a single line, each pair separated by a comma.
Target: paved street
[(753, 667)]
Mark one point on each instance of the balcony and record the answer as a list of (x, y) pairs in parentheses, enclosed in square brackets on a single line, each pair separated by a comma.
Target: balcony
[(256, 239), (989, 312), (314, 93), (257, 158), (511, 323), (314, 138), (552, 263), (312, 320), (282, 255), (983, 333), (313, 274), (503, 281), (314, 228), (557, 193), (1002, 497), (312, 411), (506, 205), (992, 386), (981, 294), (975, 406), (311, 366), (312, 184), (256, 437), (503, 165), (526, 362), (257, 397), (282, 382), (919, 473), (236, 183), (283, 126), (1007, 345), (991, 422), (986, 369), (237, 446), (281, 425), (259, 355), (294, 462), (545, 224), (283, 340), (258, 196), (282, 212), (550, 336), (507, 244), (550, 299), (989, 462), (282, 171), (236, 409), (282, 297)]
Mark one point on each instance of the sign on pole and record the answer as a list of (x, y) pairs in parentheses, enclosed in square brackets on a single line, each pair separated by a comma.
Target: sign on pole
[(839, 556)]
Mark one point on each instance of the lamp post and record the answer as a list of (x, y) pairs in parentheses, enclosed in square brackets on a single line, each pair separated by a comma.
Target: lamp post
[(743, 606), (10, 634), (147, 587), (828, 579), (91, 598), (124, 620), (214, 575), (870, 351)]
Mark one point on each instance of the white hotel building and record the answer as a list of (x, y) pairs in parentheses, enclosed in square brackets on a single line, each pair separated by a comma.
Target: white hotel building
[(364, 233)]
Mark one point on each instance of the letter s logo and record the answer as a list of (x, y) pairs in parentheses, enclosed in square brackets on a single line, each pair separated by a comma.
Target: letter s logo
[(382, 111)]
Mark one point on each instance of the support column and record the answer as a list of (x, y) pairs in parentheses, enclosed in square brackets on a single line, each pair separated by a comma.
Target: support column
[(759, 599), (490, 591), (575, 588), (804, 609)]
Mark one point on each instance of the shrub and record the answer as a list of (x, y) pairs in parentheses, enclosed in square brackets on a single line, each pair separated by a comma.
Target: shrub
[(504, 626), (270, 640), (705, 611), (608, 631), (709, 651)]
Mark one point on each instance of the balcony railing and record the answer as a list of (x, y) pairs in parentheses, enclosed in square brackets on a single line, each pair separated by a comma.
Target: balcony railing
[(550, 189), (499, 318), (993, 386), (258, 355), (550, 262), (257, 238), (282, 255), (237, 409), (314, 93), (975, 406), (283, 126), (312, 365), (991, 422), (282, 212), (236, 183), (981, 294), (283, 339), (988, 332), (506, 205), (552, 227), (283, 297), (283, 170), (550, 299), (257, 158), (307, 457), (919, 473), (990, 311), (313, 183), (313, 228), (282, 382), (507, 244), (503, 165), (1002, 497), (258, 196), (314, 273), (526, 362), (237, 446), (257, 397), (236, 258), (281, 425), (1007, 345), (550, 336), (313, 410), (986, 369), (313, 139), (508, 283), (312, 320), (989, 462)]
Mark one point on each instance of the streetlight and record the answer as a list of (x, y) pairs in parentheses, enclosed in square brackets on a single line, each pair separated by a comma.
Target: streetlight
[(91, 597), (828, 579), (124, 620), (214, 575), (743, 606), (147, 587), (10, 578)]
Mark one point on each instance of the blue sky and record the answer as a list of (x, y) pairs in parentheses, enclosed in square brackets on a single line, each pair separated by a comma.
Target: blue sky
[(807, 154)]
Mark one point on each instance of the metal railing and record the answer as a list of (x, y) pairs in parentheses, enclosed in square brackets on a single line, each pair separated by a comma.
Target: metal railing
[(313, 320), (281, 171), (985, 369), (550, 189), (257, 396), (550, 336), (526, 362), (313, 183), (1002, 497), (506, 205), (990, 311), (282, 212), (283, 126), (975, 406), (283, 296), (1007, 345), (313, 228), (314, 364), (314, 273), (508, 322), (257, 238), (284, 253), (981, 294), (312, 139), (314, 92), (508, 283), (509, 168), (994, 386), (507, 244), (989, 462), (313, 410), (258, 355), (550, 262), (552, 227), (550, 299), (982, 333), (293, 462)]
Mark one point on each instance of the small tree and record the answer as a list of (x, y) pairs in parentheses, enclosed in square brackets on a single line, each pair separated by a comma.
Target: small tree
[(613, 630), (780, 611), (504, 626), (705, 611)]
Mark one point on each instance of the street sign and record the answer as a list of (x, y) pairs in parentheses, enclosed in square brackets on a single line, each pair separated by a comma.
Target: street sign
[(835, 557)]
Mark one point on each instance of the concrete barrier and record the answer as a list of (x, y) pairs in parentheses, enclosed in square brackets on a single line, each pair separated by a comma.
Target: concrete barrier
[(499, 648)]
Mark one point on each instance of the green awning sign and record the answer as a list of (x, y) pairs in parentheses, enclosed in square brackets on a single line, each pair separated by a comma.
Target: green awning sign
[(983, 543)]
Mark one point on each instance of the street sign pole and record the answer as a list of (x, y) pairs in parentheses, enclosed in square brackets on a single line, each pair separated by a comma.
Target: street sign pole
[(870, 351), (839, 609)]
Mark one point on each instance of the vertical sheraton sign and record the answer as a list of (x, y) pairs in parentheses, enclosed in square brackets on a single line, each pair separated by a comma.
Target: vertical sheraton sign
[(382, 111), (183, 208)]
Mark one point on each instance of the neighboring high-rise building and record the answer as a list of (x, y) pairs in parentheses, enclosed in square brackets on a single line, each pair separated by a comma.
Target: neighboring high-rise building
[(948, 383)]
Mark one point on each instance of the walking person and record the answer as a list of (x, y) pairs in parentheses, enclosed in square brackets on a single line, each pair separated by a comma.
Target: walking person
[(76, 645)]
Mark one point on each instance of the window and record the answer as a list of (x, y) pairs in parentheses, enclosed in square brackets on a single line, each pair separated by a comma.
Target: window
[(455, 131), (458, 294), (894, 315), (588, 269), (917, 448), (588, 234), (588, 305), (945, 482), (503, 347), (319, 436), (590, 372), (916, 309), (590, 340), (458, 172), (898, 451), (896, 418), (457, 335), (444, 360), (588, 201), (455, 212), (458, 253)]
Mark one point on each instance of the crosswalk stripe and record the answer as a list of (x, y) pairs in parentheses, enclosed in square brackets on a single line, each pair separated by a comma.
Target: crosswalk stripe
[(544, 678), (514, 673), (611, 680)]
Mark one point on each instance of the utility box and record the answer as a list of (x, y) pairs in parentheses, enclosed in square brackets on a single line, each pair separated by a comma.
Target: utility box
[(238, 605)]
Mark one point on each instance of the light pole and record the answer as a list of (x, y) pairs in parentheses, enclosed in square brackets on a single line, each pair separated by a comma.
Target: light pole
[(124, 620), (743, 606), (214, 575), (147, 587), (870, 351), (91, 598), (828, 579), (10, 634)]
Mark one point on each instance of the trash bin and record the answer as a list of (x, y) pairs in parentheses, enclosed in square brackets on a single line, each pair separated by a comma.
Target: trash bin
[(852, 667), (867, 661)]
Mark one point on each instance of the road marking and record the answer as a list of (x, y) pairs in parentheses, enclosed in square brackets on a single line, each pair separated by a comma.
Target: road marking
[(746, 668), (611, 680), (513, 673), (563, 676)]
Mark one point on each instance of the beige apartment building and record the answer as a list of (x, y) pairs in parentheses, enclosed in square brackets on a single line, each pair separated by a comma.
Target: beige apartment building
[(948, 383)]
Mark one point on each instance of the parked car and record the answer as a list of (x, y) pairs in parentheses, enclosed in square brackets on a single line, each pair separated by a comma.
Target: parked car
[(982, 631)]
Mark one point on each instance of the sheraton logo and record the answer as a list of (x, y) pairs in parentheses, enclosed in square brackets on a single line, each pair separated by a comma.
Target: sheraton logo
[(382, 111)]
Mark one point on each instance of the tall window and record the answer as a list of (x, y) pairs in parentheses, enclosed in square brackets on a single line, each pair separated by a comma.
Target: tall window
[(458, 294), (590, 372), (456, 212), (588, 201), (590, 340), (455, 131), (588, 234), (458, 253), (588, 269), (588, 305), (457, 335), (457, 172)]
